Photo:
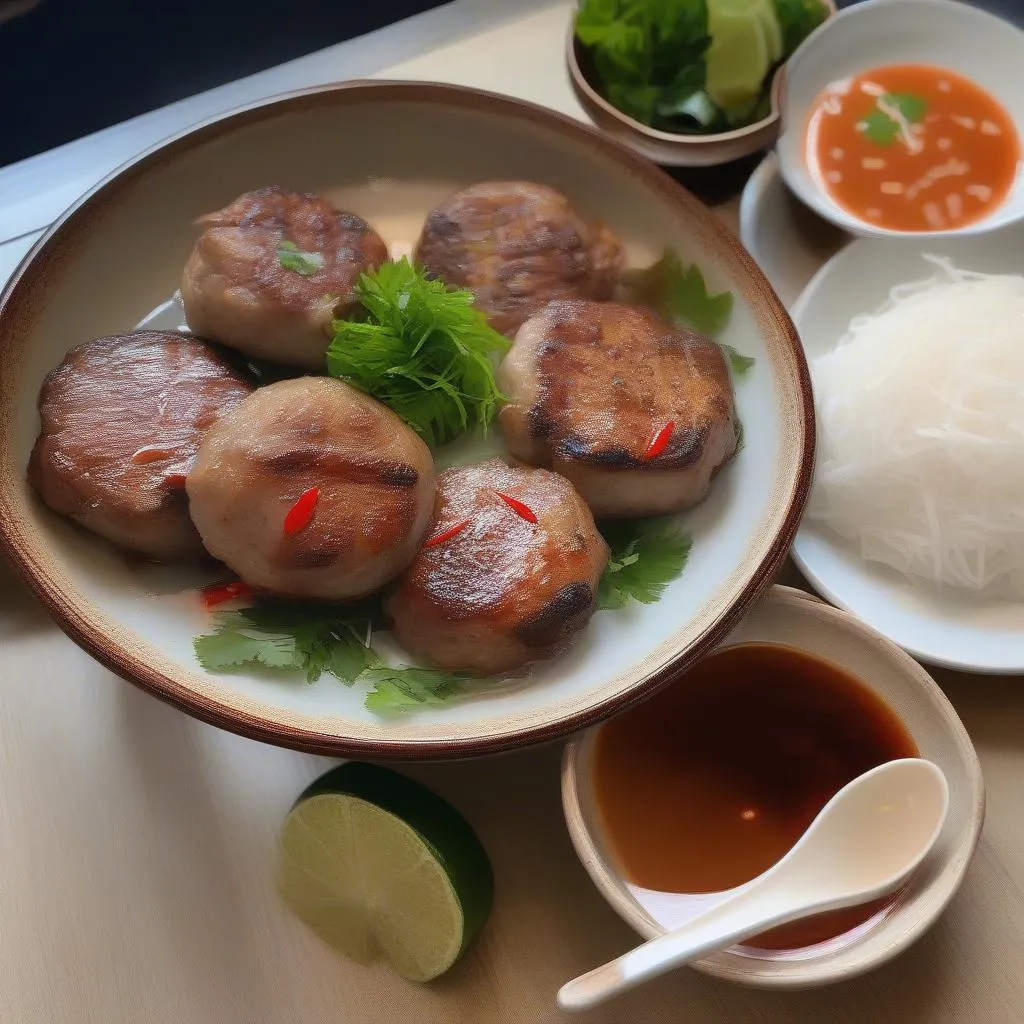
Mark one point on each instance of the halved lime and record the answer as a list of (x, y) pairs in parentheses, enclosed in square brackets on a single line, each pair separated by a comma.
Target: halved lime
[(773, 32), (742, 43), (378, 865)]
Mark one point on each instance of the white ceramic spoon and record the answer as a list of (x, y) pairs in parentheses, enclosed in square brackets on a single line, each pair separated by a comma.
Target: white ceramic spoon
[(863, 845)]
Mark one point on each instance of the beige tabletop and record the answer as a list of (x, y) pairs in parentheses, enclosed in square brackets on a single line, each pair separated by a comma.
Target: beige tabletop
[(137, 850)]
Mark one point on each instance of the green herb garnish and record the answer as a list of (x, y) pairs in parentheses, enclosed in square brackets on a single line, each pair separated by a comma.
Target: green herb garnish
[(739, 363), (404, 689), (679, 294), (646, 556), (422, 350), (314, 639), (881, 127), (290, 257), (798, 19)]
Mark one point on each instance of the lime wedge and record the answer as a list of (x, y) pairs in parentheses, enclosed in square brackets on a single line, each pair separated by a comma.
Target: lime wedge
[(773, 33), (740, 53), (379, 866)]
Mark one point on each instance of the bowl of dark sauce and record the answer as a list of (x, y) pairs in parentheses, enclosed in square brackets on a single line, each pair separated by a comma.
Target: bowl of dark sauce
[(681, 800)]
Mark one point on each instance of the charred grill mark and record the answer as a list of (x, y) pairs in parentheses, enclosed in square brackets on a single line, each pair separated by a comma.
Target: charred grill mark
[(314, 558), (440, 224), (558, 617), (303, 460), (684, 449), (286, 463), (581, 450), (398, 474), (352, 222), (542, 423)]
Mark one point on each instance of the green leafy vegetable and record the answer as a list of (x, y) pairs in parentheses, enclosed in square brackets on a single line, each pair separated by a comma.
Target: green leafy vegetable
[(422, 350), (648, 57), (739, 363), (881, 127), (403, 689), (798, 19), (679, 294), (301, 636), (314, 639), (646, 556), (648, 54), (290, 257)]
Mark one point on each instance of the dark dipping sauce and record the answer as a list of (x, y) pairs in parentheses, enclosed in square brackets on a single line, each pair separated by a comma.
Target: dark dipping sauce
[(710, 782)]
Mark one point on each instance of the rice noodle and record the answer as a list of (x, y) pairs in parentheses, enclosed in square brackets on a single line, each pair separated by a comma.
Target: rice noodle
[(921, 431)]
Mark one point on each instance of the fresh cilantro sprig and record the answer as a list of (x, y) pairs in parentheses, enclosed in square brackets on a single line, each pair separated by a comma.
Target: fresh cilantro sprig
[(881, 128), (679, 294), (738, 362), (310, 638), (405, 689), (313, 639), (421, 349), (646, 556), (291, 257)]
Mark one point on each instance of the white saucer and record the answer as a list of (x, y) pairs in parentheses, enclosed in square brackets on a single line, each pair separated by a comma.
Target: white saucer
[(790, 243)]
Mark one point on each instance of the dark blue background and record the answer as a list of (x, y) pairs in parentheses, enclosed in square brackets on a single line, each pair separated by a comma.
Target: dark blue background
[(70, 67)]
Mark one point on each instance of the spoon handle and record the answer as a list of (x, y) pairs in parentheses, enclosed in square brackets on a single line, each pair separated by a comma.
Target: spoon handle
[(744, 915)]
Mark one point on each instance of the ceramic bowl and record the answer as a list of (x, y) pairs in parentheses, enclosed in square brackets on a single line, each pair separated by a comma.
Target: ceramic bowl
[(668, 148), (391, 152), (793, 618), (957, 36)]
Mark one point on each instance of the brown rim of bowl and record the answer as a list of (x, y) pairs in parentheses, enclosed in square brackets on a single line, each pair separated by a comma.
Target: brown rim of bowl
[(581, 82), (129, 666)]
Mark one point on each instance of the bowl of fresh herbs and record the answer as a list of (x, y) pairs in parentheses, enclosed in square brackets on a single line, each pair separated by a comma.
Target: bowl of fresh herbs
[(687, 83)]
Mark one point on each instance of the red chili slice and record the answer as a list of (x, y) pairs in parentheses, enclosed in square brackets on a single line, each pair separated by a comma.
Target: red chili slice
[(175, 481), (221, 592), (300, 514), (519, 507), (440, 538), (659, 442)]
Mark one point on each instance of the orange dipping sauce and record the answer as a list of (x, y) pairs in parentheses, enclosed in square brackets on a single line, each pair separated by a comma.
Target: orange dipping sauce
[(913, 148)]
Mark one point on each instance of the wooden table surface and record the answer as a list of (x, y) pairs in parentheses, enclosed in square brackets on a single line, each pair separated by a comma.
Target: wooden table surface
[(137, 845)]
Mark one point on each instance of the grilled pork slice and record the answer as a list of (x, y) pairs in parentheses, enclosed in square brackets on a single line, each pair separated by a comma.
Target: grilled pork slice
[(492, 589), (272, 270), (638, 415), (122, 418), (310, 488), (517, 246)]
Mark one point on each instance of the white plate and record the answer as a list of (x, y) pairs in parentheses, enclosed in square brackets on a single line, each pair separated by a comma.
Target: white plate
[(942, 626)]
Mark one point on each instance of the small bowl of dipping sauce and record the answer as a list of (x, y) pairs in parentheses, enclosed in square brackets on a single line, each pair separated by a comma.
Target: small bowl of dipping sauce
[(676, 803), (900, 117)]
